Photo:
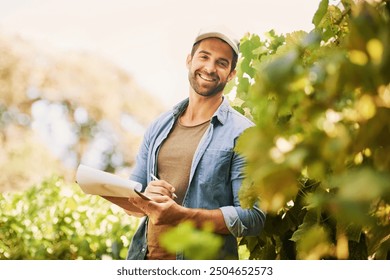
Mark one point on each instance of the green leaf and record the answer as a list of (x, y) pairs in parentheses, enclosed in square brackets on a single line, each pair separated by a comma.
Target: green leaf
[(314, 243), (196, 244), (309, 221), (320, 13)]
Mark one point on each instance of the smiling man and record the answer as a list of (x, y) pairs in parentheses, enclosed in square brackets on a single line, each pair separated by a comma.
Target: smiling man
[(191, 150)]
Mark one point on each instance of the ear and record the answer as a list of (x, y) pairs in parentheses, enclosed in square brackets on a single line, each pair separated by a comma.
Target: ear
[(188, 60), (232, 75)]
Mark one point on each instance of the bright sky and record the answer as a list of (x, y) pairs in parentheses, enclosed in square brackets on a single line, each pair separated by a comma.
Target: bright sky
[(148, 38)]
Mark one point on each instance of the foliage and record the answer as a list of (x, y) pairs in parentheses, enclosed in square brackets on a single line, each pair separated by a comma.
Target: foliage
[(319, 155), (196, 244), (54, 220)]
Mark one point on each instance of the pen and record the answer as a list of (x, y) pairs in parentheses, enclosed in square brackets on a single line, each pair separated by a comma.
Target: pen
[(155, 179)]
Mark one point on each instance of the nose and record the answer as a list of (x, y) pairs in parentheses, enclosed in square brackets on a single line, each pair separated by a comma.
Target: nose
[(210, 67)]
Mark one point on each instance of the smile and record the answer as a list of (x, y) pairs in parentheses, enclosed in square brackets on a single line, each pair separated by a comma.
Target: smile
[(207, 79)]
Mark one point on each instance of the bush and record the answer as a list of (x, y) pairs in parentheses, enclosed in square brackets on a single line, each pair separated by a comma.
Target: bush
[(55, 220), (319, 155)]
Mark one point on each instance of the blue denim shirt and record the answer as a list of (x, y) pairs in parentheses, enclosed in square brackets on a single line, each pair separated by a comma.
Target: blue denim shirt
[(215, 179)]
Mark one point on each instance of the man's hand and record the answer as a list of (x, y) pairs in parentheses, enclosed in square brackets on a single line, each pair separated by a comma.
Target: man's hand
[(155, 190), (159, 188), (162, 210)]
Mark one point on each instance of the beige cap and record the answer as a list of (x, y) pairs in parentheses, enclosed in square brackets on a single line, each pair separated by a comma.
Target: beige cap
[(220, 32)]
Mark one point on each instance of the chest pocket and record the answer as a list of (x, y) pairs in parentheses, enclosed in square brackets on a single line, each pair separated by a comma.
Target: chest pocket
[(214, 168)]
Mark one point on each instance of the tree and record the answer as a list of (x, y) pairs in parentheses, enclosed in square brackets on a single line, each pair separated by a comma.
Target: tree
[(319, 155)]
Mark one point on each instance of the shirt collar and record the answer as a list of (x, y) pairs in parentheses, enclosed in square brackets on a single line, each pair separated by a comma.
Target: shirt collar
[(180, 107), (220, 115)]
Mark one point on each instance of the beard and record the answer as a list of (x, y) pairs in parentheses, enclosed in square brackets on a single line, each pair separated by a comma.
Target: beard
[(206, 92)]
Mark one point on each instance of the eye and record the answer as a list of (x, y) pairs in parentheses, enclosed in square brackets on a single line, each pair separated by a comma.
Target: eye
[(223, 63)]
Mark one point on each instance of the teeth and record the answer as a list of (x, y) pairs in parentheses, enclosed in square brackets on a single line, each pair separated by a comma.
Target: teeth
[(206, 79)]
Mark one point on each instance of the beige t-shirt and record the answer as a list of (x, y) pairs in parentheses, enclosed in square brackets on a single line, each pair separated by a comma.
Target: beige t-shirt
[(174, 165)]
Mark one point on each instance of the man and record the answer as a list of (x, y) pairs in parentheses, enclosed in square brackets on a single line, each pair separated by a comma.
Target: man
[(191, 150)]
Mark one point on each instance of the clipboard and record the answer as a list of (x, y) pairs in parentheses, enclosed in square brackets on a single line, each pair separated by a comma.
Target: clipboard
[(111, 187)]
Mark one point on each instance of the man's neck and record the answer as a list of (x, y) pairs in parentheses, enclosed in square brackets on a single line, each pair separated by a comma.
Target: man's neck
[(200, 109)]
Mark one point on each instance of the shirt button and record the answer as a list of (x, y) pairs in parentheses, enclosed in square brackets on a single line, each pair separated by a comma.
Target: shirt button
[(143, 249)]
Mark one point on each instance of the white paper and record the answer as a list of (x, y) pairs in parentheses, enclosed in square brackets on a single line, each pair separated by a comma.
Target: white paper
[(98, 182)]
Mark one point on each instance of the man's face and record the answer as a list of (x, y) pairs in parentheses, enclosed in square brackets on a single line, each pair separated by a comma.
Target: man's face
[(210, 67)]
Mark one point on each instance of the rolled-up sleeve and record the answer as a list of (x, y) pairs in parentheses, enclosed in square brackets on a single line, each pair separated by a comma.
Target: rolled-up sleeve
[(243, 222)]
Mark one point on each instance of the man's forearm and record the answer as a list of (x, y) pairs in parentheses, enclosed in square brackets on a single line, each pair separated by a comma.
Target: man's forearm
[(165, 211), (202, 216), (135, 214)]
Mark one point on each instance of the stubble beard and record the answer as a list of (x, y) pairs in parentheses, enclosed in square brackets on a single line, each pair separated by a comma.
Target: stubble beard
[(206, 93)]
